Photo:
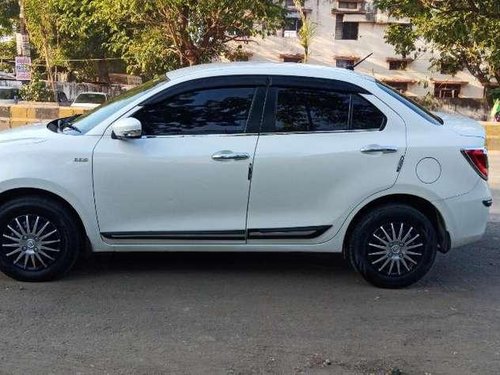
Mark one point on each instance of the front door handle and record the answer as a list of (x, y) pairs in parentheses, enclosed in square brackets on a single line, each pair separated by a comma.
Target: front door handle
[(372, 149), (230, 155)]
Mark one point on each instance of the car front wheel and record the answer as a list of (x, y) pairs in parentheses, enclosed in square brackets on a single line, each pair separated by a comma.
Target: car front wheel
[(40, 239), (393, 246)]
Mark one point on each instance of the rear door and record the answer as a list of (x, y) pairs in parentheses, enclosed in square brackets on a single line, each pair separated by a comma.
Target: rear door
[(325, 146)]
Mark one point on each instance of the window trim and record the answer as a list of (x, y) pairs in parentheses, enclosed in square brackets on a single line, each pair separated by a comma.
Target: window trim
[(269, 116)]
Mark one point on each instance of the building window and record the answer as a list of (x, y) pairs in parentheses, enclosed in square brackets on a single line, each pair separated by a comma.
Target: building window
[(350, 30), (344, 63), (346, 30), (401, 87), (292, 26), (347, 5), (398, 65), (447, 90), (297, 58)]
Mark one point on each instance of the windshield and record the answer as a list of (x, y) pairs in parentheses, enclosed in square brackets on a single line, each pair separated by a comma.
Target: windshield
[(423, 112), (90, 119), (91, 98)]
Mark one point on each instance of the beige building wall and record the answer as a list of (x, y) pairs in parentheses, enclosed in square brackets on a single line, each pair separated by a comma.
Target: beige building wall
[(325, 48)]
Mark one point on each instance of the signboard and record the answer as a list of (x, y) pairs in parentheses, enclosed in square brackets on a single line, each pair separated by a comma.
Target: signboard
[(23, 68)]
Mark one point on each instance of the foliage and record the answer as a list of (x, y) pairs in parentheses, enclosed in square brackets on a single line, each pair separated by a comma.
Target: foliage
[(8, 16), (403, 38), (157, 35), (41, 22), (83, 37), (307, 30), (36, 91), (464, 31), (7, 52), (238, 54)]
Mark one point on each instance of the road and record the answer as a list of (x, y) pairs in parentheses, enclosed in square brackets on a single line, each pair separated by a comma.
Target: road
[(256, 314)]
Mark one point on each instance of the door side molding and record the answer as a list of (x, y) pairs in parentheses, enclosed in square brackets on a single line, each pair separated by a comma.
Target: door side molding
[(229, 235), (287, 233)]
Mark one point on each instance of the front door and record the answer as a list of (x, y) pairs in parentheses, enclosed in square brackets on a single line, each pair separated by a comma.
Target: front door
[(187, 177), (325, 146)]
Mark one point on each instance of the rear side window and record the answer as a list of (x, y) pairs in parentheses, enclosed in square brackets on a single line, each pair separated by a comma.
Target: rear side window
[(307, 110), (210, 111), (316, 110), (365, 116)]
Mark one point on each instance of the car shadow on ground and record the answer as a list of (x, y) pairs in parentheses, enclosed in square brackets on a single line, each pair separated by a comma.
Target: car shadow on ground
[(216, 262), (469, 267)]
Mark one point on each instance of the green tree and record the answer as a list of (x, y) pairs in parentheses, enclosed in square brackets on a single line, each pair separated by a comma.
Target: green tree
[(465, 33), (83, 37), (7, 55), (41, 22), (307, 31), (9, 14), (157, 35)]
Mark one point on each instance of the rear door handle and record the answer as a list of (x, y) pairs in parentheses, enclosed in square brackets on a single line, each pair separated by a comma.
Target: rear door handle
[(372, 149), (230, 155)]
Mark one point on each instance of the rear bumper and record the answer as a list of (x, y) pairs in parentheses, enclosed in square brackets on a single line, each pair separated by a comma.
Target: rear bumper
[(466, 216)]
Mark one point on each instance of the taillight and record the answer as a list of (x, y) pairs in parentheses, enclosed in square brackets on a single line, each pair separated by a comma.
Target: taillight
[(478, 158)]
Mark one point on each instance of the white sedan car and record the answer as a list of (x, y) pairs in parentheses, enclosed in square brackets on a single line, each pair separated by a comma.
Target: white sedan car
[(246, 157), (89, 100)]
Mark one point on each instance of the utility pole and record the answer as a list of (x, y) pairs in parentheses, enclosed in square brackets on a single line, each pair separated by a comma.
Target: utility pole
[(22, 39), (23, 59)]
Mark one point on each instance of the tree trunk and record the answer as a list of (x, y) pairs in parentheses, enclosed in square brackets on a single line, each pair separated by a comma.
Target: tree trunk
[(103, 71), (48, 67)]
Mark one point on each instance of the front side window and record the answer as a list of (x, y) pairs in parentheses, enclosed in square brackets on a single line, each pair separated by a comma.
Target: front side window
[(204, 111), (314, 110)]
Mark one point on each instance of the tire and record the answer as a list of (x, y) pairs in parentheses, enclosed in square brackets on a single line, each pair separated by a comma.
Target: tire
[(40, 239), (393, 246)]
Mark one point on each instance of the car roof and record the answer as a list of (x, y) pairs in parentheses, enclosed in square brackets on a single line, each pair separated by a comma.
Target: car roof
[(264, 68)]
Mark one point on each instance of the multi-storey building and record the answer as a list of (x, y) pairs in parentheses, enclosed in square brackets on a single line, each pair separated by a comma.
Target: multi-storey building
[(347, 31)]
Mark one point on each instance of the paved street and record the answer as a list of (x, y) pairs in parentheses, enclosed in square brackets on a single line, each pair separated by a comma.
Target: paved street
[(256, 314)]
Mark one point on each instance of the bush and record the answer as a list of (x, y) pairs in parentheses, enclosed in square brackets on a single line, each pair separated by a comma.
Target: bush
[(36, 91)]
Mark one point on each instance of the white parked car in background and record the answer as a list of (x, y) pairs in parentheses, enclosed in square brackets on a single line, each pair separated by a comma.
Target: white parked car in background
[(89, 99), (246, 157)]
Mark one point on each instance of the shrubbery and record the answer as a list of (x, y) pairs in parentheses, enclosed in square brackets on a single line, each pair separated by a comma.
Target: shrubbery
[(36, 91)]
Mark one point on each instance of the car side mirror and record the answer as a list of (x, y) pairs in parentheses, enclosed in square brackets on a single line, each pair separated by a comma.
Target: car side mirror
[(127, 128)]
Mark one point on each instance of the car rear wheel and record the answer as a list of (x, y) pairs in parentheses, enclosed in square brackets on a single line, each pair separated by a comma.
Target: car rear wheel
[(393, 246), (40, 239)]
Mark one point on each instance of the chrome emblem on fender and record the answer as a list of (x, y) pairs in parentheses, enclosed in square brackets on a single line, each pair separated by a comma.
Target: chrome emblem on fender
[(81, 160)]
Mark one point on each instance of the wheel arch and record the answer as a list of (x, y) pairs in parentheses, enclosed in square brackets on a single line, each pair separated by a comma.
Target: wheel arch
[(24, 191), (419, 203)]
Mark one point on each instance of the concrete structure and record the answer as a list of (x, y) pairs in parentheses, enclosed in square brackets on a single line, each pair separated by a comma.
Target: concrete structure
[(347, 31)]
